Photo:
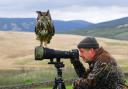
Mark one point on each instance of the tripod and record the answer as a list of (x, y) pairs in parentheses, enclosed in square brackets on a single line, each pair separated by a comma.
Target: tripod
[(59, 82)]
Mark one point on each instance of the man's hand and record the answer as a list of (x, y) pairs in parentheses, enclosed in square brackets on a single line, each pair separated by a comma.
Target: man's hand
[(80, 84)]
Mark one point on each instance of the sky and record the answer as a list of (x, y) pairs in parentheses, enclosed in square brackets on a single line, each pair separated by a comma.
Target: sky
[(95, 11)]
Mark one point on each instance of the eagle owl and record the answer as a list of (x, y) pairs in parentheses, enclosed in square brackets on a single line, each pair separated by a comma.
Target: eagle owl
[(44, 28)]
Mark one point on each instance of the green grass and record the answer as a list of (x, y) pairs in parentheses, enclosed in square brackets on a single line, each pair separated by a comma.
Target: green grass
[(67, 87), (126, 80), (123, 64), (70, 86), (43, 74)]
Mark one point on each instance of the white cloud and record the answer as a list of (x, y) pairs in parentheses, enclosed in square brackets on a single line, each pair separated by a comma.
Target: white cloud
[(90, 10), (92, 14)]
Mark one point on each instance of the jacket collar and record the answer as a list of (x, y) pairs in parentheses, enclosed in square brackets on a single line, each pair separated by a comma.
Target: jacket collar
[(98, 52)]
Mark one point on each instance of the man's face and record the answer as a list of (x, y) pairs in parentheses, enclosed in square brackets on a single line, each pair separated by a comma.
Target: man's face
[(87, 54)]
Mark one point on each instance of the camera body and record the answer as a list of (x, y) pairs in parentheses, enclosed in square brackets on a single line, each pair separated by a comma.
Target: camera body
[(47, 53)]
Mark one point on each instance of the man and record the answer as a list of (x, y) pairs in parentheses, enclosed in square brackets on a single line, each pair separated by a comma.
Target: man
[(103, 72)]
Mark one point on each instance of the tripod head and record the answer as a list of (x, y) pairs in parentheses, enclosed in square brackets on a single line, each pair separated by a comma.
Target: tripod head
[(58, 65), (57, 62)]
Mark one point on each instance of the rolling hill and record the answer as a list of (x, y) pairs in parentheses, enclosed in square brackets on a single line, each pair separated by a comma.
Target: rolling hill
[(115, 29), (66, 26), (17, 24), (28, 24), (110, 24)]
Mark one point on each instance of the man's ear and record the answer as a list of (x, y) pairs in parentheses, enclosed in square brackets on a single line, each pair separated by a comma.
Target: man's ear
[(91, 52)]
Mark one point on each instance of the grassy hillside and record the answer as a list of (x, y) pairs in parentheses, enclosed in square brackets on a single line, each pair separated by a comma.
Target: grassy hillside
[(115, 29), (111, 23), (17, 64), (120, 33)]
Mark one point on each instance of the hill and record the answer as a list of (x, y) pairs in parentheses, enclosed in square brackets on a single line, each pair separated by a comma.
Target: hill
[(110, 24), (28, 24), (17, 24), (66, 26), (115, 29)]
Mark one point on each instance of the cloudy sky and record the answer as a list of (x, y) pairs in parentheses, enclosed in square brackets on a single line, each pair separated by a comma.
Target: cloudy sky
[(90, 10)]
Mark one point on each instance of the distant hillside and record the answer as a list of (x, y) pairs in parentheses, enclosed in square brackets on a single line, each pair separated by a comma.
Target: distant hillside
[(109, 24), (115, 29), (28, 24), (17, 24), (65, 26)]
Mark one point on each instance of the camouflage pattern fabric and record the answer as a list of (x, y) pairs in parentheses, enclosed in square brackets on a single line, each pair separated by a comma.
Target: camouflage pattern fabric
[(44, 28), (103, 73)]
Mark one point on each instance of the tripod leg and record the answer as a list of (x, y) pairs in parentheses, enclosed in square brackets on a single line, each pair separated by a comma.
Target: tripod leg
[(55, 84), (61, 85)]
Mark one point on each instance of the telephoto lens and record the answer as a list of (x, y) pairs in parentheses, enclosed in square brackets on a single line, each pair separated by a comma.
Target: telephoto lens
[(47, 53)]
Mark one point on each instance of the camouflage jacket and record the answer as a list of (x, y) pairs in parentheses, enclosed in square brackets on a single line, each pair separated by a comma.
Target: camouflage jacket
[(103, 73)]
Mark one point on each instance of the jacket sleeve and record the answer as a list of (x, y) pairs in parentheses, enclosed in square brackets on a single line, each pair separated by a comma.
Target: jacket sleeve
[(92, 77), (79, 68)]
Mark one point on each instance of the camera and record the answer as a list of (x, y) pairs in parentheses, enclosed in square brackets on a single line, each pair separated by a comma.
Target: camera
[(47, 53)]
